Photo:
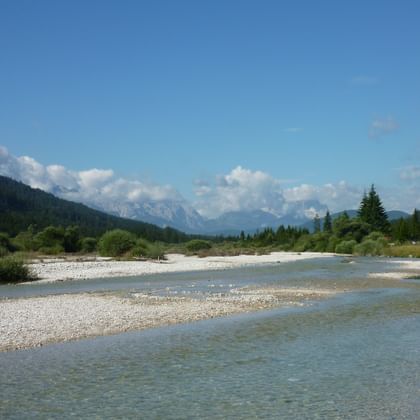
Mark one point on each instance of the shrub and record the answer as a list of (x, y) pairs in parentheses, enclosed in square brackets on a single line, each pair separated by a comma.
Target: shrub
[(88, 244), (3, 251), (146, 249), (24, 241), (345, 247), (378, 237), (51, 250), (13, 269), (369, 247), (116, 243), (332, 243), (140, 249), (71, 241), (5, 244), (155, 252), (303, 244), (51, 237), (196, 245)]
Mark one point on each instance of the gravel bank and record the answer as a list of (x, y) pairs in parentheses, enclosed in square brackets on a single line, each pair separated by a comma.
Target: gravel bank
[(59, 270), (33, 322), (406, 269)]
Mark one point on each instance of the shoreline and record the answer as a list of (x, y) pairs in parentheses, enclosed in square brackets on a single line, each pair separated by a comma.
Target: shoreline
[(30, 322), (55, 269), (37, 321)]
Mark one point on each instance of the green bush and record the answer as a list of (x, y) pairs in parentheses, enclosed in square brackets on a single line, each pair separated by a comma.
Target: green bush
[(88, 244), (25, 241), (116, 243), (140, 249), (303, 244), (3, 251), (51, 250), (145, 249), (378, 237), (196, 245), (13, 269), (155, 251), (333, 241), (369, 247), (51, 237), (345, 247), (71, 240), (6, 245)]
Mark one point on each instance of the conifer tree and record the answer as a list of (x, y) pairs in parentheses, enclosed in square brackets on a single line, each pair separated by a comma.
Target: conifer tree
[(371, 211), (415, 225), (327, 222)]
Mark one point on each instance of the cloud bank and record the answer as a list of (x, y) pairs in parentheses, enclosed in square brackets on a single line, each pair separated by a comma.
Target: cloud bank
[(92, 186), (246, 190), (241, 189)]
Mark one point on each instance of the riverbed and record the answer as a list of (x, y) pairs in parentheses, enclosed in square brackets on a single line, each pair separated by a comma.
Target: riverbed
[(354, 354)]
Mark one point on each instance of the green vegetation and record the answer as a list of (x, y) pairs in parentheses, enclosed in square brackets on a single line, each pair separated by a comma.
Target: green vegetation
[(116, 243), (372, 212), (22, 206), (369, 233), (13, 269), (406, 251), (197, 245)]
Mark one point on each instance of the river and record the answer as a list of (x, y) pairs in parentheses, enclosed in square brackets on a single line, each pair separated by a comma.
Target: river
[(355, 355)]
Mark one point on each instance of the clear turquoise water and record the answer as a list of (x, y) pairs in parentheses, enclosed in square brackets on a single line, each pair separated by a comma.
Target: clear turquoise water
[(353, 356)]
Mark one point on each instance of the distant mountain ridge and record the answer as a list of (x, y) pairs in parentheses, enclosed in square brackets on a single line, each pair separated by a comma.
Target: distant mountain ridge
[(21, 206), (164, 217)]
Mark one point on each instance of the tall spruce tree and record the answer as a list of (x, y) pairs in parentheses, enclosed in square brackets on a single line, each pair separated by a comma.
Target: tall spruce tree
[(415, 225), (327, 222), (371, 211)]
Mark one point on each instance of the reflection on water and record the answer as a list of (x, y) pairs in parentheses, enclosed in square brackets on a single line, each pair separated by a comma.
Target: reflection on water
[(354, 356)]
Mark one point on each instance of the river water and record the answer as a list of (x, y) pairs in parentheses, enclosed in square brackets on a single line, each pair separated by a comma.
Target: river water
[(356, 355)]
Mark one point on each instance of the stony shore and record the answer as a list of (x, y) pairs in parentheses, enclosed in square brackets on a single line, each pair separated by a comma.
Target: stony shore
[(37, 321), (56, 269)]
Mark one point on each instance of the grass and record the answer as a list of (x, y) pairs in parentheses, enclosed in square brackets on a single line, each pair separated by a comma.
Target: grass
[(403, 251)]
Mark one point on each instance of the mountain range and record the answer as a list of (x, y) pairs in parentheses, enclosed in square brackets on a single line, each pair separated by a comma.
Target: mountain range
[(22, 206), (180, 215)]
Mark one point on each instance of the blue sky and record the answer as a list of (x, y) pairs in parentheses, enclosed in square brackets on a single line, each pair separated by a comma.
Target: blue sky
[(180, 92)]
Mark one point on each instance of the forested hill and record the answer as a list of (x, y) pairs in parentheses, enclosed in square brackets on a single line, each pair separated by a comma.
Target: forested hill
[(22, 206)]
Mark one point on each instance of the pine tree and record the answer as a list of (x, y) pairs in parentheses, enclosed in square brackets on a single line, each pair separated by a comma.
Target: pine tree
[(371, 211), (363, 211), (327, 222), (415, 225)]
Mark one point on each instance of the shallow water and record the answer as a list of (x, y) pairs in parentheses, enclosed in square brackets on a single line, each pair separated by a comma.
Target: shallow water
[(356, 355)]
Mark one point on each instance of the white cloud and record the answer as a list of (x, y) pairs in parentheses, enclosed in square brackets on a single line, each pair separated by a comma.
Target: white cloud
[(382, 126), (410, 173), (241, 189), (94, 186), (95, 178), (246, 190), (335, 196)]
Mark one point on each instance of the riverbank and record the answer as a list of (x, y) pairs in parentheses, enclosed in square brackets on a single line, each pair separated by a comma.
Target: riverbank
[(37, 321), (56, 269)]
